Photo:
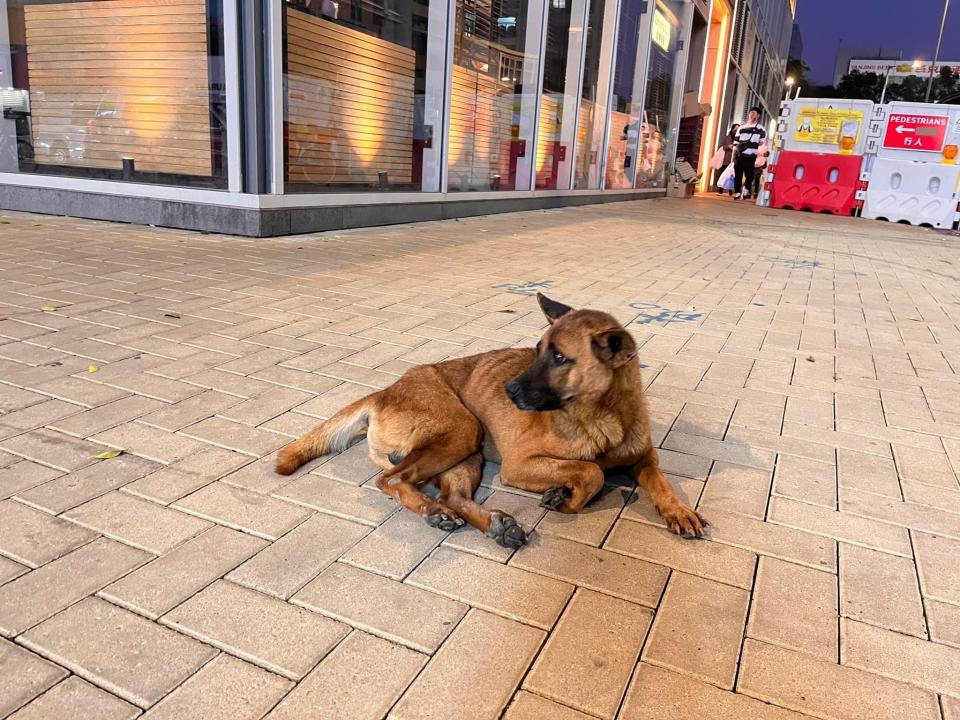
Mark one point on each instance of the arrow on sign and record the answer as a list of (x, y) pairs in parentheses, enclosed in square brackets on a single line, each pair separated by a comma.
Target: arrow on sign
[(901, 129)]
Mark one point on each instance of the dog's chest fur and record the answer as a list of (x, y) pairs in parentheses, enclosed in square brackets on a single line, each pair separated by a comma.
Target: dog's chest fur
[(589, 438)]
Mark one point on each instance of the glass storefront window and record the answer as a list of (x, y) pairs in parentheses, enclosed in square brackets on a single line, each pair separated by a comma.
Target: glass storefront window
[(362, 94), (493, 94), (621, 166), (114, 89), (558, 99), (590, 124), (657, 127)]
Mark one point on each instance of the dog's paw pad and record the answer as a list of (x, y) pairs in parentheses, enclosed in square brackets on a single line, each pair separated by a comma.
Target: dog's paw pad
[(556, 497), (506, 531), (443, 521)]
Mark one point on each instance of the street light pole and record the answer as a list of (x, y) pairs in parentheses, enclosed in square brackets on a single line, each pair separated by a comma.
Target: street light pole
[(936, 53), (886, 79)]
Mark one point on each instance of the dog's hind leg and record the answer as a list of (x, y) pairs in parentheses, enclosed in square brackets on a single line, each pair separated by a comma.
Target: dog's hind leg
[(420, 465), (457, 487)]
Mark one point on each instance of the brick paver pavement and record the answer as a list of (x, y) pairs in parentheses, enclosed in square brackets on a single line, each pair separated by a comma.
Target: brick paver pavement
[(803, 378)]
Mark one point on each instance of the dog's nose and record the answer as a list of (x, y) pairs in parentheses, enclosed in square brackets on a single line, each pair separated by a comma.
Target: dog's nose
[(513, 388)]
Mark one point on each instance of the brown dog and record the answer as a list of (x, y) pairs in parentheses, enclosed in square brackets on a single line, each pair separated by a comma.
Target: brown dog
[(556, 417)]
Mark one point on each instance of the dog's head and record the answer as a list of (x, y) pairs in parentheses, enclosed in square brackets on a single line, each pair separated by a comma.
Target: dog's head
[(578, 359)]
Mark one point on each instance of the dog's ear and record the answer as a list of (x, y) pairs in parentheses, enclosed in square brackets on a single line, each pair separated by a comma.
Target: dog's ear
[(614, 347), (551, 308)]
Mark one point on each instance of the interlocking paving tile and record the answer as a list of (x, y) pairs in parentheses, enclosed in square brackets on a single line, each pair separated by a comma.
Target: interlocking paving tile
[(778, 541), (104, 417), (234, 436), (268, 632), (936, 563), (528, 706), (34, 538), (295, 559), (10, 569), (795, 607), (164, 583), (23, 676), (739, 489), (21, 475), (149, 442), (916, 661), (508, 591), (601, 570), (76, 488), (944, 621), (840, 526), (359, 680), (660, 694), (77, 698), (225, 688), (137, 522), (880, 589), (360, 504), (397, 546), (698, 629), (235, 507), (39, 594), (396, 611), (121, 652), (723, 563), (801, 682), (483, 646), (183, 477), (589, 657), (52, 448)]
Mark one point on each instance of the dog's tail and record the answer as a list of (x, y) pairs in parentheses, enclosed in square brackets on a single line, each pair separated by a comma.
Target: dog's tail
[(333, 435)]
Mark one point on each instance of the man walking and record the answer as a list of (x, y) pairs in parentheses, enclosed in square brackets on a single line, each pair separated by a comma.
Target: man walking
[(748, 138)]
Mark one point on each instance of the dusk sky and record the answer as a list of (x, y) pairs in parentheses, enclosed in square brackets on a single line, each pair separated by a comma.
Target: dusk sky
[(909, 26)]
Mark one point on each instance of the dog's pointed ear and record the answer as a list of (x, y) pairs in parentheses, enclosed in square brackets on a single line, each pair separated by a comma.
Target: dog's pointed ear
[(551, 308), (614, 347)]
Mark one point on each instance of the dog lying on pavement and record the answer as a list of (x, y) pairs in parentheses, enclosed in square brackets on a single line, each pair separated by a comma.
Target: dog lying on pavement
[(556, 418)]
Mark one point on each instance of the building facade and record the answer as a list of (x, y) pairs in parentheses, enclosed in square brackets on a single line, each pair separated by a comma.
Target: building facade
[(263, 117), (751, 69)]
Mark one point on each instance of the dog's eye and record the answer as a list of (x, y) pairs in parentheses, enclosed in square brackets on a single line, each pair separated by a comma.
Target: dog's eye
[(558, 358)]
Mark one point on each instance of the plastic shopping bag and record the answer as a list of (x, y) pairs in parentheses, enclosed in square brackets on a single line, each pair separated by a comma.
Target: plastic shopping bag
[(716, 161), (725, 181)]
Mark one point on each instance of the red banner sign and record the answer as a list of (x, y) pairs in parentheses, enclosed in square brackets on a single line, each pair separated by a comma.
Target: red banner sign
[(916, 132)]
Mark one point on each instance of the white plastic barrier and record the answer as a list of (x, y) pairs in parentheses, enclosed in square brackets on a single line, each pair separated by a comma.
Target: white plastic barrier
[(914, 177), (912, 192)]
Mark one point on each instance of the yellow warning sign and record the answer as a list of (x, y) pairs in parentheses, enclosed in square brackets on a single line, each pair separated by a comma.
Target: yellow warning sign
[(828, 126)]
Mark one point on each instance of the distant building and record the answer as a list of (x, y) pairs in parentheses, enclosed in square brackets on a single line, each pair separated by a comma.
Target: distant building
[(796, 42), (899, 68), (846, 54)]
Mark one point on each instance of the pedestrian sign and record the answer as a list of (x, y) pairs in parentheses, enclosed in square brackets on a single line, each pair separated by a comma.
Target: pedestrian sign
[(915, 132)]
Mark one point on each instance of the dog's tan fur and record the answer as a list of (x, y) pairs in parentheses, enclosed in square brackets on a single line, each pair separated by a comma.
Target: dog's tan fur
[(431, 423)]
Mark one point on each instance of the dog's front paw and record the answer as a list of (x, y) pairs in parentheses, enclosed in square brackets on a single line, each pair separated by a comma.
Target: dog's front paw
[(444, 519), (683, 520), (506, 531), (556, 498)]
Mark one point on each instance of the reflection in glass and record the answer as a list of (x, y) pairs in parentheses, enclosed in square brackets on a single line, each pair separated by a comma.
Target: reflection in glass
[(657, 121), (356, 95), (621, 167), (493, 95), (592, 107), (116, 89), (558, 101)]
